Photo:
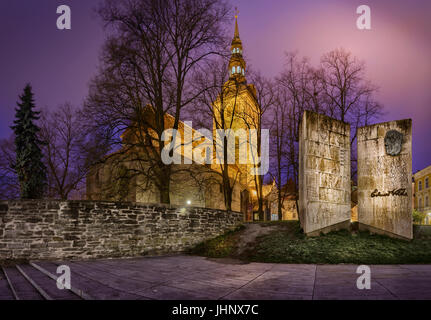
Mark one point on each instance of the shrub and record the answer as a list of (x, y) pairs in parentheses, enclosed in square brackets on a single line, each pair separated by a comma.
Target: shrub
[(418, 217)]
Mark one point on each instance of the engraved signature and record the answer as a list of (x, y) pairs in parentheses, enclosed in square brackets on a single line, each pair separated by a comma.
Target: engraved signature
[(395, 192)]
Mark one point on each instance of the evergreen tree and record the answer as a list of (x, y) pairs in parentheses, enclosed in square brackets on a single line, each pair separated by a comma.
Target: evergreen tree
[(28, 165)]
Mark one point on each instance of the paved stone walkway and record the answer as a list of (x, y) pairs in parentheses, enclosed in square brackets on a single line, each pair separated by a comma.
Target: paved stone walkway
[(187, 277)]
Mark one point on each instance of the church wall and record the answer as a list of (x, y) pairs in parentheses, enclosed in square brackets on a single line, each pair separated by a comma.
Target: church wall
[(214, 197), (202, 188), (110, 181), (288, 209), (146, 192)]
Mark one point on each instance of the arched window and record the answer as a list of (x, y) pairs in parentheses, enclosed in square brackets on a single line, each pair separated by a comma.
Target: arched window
[(242, 71), (233, 70), (238, 69)]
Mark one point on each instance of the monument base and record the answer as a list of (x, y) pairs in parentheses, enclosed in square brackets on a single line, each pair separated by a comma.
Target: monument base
[(364, 227), (345, 225)]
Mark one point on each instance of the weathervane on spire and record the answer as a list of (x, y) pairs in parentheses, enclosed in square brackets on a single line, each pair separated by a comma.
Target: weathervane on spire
[(236, 35)]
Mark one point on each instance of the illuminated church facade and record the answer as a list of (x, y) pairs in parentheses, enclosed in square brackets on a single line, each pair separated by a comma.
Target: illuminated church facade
[(236, 109)]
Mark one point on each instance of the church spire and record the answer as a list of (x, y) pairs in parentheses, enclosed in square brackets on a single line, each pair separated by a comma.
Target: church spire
[(237, 64), (236, 35)]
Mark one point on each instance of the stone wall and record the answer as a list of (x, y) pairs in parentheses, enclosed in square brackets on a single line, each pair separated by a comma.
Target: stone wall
[(324, 174), (88, 229), (385, 178)]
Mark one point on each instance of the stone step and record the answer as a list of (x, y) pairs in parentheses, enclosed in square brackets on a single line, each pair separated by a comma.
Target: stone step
[(46, 285), (49, 269), (20, 285), (6, 292), (91, 287)]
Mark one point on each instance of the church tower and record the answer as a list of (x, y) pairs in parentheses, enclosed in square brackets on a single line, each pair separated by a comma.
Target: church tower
[(237, 64), (238, 104)]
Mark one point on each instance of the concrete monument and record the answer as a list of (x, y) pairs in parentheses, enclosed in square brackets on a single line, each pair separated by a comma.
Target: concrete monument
[(385, 178), (324, 174)]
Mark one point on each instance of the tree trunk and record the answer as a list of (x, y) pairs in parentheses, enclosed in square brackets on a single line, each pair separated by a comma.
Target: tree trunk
[(164, 186), (227, 190), (261, 212), (260, 197), (164, 195), (280, 212), (297, 211)]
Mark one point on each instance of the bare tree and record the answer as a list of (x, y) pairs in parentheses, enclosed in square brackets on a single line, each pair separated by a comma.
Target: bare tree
[(69, 150), (154, 47), (299, 89), (348, 94), (281, 140)]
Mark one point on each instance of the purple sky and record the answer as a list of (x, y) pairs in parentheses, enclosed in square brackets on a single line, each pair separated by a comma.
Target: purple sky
[(397, 51)]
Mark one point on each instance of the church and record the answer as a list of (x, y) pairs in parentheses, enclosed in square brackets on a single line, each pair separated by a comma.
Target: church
[(235, 109)]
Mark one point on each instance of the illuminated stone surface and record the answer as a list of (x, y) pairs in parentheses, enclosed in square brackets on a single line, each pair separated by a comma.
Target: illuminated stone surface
[(324, 173), (385, 178)]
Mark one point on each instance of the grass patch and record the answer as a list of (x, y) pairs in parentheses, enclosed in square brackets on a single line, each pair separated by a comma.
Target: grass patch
[(287, 244), (220, 247), (340, 247)]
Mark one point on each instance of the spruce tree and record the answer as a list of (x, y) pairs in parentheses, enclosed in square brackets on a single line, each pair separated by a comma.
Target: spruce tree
[(28, 165)]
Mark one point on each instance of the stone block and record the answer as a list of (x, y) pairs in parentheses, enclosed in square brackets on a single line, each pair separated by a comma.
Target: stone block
[(385, 178), (324, 173), (4, 207)]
